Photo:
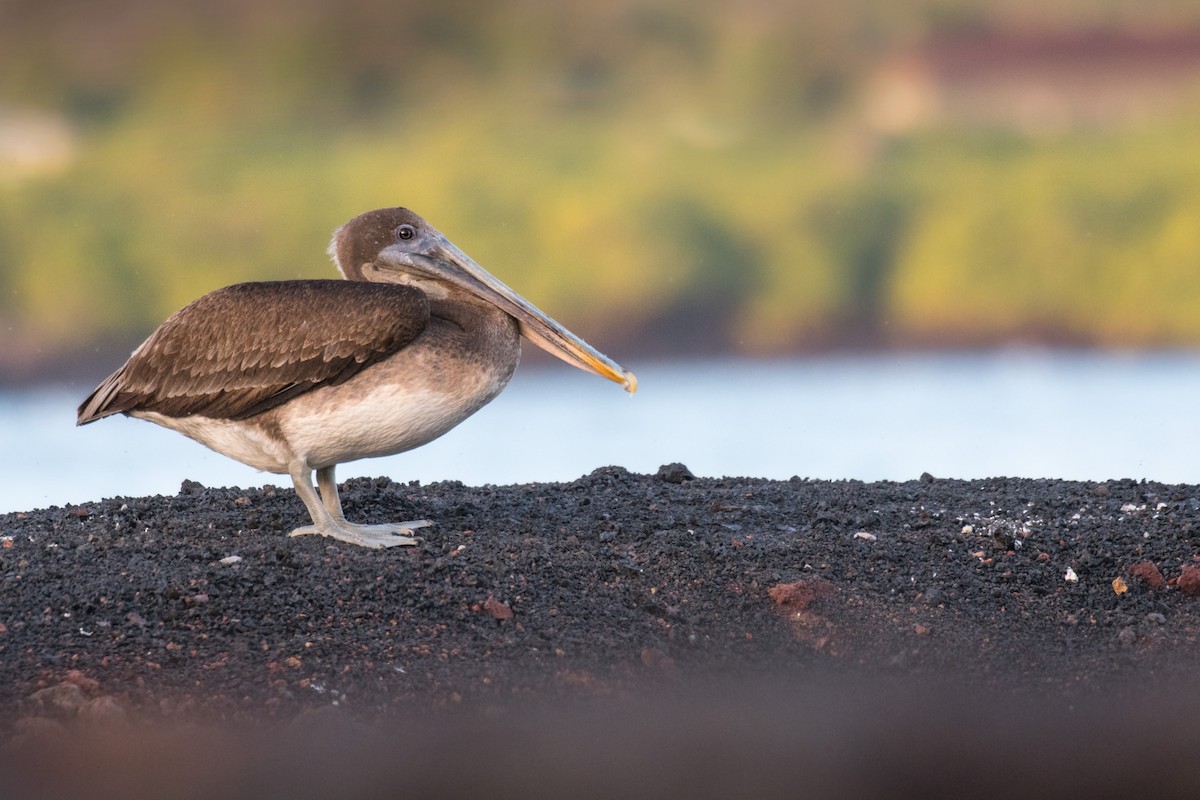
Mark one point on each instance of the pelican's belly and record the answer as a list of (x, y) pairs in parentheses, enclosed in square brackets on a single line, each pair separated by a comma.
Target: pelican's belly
[(246, 441), (374, 415), (391, 406)]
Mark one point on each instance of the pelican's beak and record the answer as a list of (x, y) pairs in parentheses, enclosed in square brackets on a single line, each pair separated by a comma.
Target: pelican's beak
[(445, 262)]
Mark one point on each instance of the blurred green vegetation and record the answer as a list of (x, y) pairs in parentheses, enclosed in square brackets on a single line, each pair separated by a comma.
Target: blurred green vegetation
[(671, 176)]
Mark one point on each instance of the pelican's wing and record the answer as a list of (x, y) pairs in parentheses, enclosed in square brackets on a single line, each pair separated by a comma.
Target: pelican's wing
[(246, 348)]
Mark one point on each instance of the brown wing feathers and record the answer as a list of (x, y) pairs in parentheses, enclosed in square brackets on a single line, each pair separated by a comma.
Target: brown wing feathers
[(246, 348)]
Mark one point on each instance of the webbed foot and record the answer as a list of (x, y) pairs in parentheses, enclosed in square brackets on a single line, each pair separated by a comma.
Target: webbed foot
[(395, 534)]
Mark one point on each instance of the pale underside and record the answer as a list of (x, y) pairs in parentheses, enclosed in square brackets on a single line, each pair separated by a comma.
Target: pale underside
[(388, 408)]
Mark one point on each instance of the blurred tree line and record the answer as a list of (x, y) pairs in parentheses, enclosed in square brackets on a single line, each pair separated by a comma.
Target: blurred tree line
[(670, 176)]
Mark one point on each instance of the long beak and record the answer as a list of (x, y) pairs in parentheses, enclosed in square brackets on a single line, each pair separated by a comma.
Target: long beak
[(451, 265)]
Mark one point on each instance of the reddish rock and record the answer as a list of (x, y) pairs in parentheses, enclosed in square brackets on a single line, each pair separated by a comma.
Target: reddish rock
[(1147, 571), (1189, 580), (498, 609), (799, 595), (75, 676)]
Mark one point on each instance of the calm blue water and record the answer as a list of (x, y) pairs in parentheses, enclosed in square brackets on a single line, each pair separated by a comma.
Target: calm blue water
[(1032, 414)]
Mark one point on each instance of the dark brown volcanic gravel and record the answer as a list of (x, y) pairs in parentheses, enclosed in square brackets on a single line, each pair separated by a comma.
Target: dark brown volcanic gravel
[(617, 636), (609, 584)]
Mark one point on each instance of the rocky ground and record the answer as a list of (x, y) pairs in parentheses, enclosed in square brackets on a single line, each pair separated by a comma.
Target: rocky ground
[(611, 591)]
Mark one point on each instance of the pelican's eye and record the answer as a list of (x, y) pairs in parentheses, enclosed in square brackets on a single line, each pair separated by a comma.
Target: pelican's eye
[(406, 232)]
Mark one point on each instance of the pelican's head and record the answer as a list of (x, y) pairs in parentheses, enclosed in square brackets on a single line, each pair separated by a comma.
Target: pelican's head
[(394, 245)]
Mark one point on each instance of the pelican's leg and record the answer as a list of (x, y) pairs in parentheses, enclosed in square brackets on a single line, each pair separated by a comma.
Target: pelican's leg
[(302, 479), (329, 493), (328, 519)]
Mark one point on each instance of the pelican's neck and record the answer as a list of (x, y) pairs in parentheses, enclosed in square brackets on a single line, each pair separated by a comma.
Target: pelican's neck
[(474, 317)]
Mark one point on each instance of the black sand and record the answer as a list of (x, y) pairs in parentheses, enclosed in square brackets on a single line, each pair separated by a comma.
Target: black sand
[(615, 586)]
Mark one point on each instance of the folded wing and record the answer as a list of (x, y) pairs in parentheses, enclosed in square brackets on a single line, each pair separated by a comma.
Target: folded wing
[(247, 348)]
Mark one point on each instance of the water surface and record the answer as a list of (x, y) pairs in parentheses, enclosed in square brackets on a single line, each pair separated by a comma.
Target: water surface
[(1030, 414)]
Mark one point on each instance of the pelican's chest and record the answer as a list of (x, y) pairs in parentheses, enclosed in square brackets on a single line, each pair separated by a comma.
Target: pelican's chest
[(405, 401)]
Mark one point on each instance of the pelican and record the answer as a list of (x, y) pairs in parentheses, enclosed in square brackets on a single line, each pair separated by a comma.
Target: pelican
[(298, 376)]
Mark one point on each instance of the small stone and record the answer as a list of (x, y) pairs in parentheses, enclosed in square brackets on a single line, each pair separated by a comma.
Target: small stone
[(1071, 577), (497, 608), (1119, 586), (866, 537), (1147, 571), (61, 701), (85, 683), (674, 473), (1189, 580), (227, 560), (927, 478), (190, 487), (1127, 636), (799, 595)]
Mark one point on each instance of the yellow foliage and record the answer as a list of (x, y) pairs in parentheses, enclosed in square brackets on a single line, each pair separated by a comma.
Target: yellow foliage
[(623, 164)]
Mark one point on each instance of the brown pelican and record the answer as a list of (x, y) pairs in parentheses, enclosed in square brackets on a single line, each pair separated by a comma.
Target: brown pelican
[(302, 375)]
